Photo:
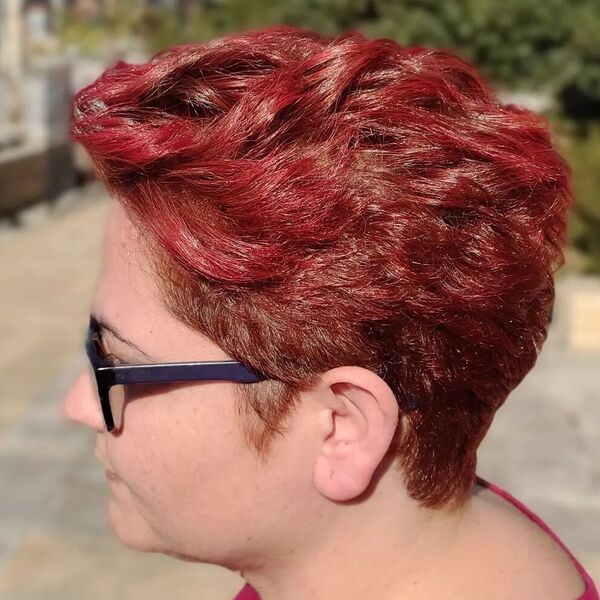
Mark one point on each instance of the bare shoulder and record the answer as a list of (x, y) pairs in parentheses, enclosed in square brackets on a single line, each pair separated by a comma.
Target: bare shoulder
[(517, 558)]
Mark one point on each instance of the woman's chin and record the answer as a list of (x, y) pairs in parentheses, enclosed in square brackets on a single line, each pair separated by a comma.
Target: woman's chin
[(133, 533)]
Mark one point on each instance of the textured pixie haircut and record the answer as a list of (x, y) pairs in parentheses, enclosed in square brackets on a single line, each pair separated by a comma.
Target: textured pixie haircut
[(316, 202)]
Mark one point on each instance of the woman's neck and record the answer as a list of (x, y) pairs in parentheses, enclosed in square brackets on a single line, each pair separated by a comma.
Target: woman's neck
[(386, 547)]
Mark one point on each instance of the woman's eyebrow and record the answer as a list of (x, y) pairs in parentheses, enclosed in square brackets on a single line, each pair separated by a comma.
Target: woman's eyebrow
[(104, 325)]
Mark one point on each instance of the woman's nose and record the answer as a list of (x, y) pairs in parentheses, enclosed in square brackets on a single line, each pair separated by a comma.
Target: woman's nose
[(81, 403)]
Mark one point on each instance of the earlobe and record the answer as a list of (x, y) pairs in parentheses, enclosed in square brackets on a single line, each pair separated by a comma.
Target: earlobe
[(358, 424)]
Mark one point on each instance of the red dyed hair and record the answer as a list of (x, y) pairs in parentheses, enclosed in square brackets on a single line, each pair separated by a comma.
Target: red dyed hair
[(317, 202)]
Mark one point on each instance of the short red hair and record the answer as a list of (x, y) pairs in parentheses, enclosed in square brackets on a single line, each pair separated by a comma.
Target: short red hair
[(318, 202)]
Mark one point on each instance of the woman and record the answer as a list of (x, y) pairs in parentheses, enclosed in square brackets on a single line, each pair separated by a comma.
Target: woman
[(351, 244)]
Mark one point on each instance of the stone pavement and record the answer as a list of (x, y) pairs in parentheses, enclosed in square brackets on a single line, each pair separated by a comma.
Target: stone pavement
[(544, 446)]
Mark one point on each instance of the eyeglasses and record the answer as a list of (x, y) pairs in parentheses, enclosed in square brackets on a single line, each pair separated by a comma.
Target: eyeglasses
[(111, 378)]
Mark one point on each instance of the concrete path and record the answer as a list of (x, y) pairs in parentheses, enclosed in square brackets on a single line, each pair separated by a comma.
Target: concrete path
[(54, 541)]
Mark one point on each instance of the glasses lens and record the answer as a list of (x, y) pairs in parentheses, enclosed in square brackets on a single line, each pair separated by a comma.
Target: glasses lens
[(116, 400), (116, 397), (101, 405)]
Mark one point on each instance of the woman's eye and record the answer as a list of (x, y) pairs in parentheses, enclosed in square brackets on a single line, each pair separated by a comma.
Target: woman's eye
[(113, 360), (107, 356)]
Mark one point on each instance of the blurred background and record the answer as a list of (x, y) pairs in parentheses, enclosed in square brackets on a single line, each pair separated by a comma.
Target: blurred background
[(544, 446)]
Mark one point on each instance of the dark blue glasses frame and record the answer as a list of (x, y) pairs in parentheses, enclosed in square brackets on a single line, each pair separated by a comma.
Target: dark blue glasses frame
[(109, 375)]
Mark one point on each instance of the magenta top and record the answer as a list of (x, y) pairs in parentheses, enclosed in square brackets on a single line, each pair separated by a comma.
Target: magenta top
[(590, 592)]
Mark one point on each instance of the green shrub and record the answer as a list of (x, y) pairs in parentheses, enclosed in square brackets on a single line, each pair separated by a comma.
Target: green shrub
[(581, 148)]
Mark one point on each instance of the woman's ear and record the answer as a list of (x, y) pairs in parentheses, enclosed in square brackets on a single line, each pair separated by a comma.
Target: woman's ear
[(357, 420)]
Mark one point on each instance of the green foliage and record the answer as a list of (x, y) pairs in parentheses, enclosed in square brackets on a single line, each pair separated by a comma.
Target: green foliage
[(159, 29), (88, 37), (583, 154), (580, 96), (93, 37)]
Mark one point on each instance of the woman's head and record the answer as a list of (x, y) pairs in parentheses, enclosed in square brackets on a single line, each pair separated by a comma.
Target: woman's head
[(307, 204), (183, 480)]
